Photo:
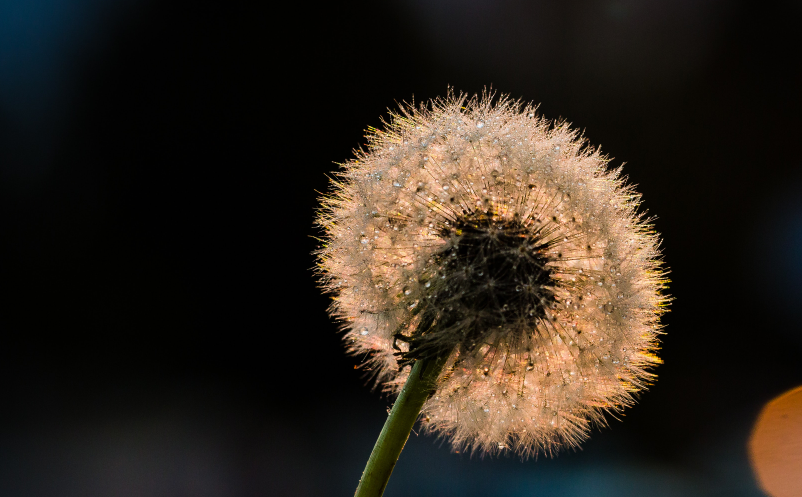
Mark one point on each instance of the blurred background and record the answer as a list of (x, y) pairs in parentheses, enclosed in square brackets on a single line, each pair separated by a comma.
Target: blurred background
[(162, 333)]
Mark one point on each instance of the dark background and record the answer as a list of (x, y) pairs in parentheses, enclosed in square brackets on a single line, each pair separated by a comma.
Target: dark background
[(162, 333)]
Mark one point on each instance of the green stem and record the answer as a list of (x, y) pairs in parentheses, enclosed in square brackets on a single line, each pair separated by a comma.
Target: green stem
[(419, 386)]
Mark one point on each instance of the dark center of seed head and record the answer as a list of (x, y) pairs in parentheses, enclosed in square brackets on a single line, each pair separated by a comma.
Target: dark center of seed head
[(497, 269), (495, 273)]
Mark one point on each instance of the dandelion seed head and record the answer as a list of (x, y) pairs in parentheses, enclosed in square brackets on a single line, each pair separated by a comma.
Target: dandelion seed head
[(481, 231)]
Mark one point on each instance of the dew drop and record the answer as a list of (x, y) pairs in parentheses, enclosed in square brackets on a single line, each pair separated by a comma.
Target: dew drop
[(364, 331), (480, 124)]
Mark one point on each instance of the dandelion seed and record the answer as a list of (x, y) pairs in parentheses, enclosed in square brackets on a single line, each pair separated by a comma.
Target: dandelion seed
[(496, 276)]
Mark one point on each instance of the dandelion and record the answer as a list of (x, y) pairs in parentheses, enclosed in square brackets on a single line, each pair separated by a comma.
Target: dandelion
[(498, 257)]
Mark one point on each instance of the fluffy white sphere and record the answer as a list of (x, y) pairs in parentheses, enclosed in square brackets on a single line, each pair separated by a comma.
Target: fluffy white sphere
[(482, 232)]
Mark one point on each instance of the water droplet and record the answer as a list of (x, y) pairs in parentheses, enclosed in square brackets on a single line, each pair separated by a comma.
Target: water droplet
[(364, 331), (407, 291), (428, 284), (480, 124), (518, 288), (486, 409), (364, 240), (397, 184)]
